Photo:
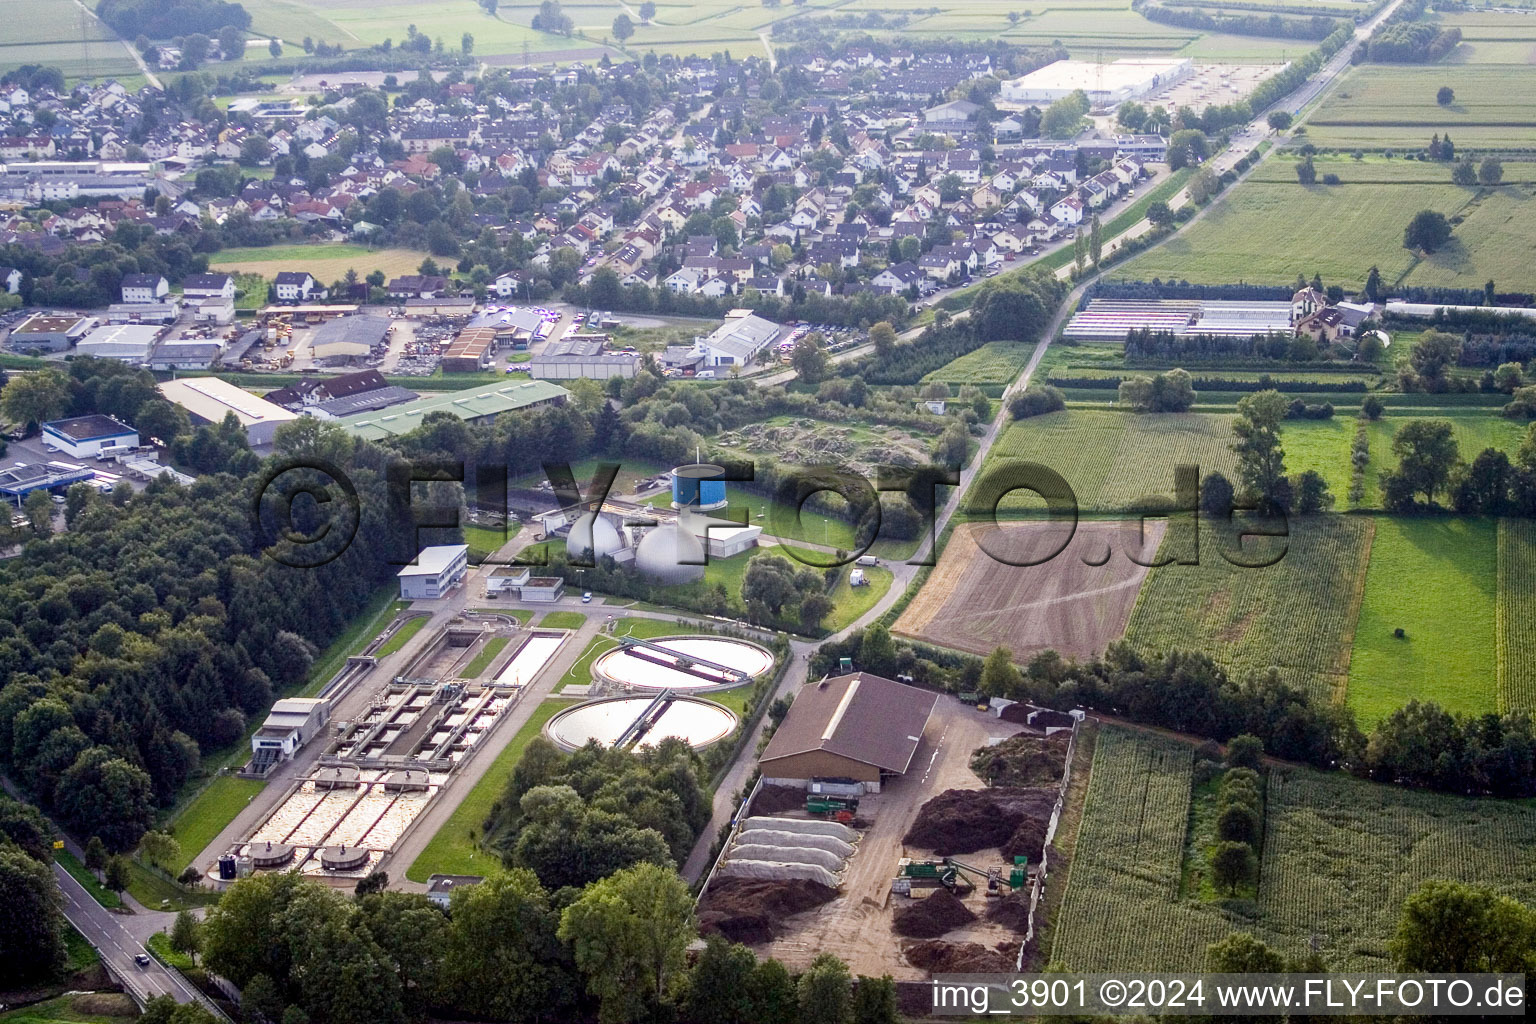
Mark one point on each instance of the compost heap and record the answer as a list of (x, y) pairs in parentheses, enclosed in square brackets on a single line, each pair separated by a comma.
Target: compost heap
[(938, 957), (1023, 760), (778, 799), (750, 909), (967, 820), (1011, 911), (931, 916)]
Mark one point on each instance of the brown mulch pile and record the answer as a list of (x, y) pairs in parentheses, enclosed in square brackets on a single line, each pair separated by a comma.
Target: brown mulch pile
[(1012, 910), (777, 799), (1023, 760), (939, 957), (1016, 713), (967, 820), (931, 916), (749, 909)]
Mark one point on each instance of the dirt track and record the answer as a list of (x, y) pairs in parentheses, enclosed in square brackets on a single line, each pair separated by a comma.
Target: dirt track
[(974, 602)]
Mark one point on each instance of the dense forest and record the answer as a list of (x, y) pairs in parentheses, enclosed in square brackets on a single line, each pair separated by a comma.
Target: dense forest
[(161, 20)]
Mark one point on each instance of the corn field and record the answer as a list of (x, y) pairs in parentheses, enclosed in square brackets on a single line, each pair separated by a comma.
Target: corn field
[(1122, 910), (1341, 855), (1516, 622), (1297, 615)]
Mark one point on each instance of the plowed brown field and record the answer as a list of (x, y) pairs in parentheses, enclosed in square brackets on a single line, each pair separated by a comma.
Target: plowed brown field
[(973, 602)]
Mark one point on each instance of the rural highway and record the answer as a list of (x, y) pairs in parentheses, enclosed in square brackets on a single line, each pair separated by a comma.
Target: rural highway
[(104, 930)]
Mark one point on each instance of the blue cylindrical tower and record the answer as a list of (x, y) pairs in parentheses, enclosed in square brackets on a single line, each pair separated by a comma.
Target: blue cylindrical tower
[(700, 486)]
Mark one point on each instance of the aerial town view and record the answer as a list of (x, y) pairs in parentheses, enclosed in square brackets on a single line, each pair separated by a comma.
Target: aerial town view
[(809, 512)]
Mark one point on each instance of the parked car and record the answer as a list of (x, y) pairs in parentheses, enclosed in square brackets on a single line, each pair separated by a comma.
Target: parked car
[(586, 597)]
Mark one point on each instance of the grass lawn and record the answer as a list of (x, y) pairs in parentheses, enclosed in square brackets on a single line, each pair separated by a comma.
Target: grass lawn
[(78, 871), (200, 822), (452, 851), (1517, 615), (81, 953), (160, 944), (156, 892), (328, 261), (402, 636), (849, 602), (1434, 578), (563, 620), (485, 540), (79, 1008), (480, 662)]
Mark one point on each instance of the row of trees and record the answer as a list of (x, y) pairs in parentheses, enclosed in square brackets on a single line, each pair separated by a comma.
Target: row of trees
[(511, 949)]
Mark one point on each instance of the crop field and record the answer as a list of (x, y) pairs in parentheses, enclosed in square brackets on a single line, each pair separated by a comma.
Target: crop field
[(1492, 38), (1376, 169), (1074, 603), (996, 362), (1435, 579), (1273, 231), (1126, 867), (1496, 242), (59, 33), (1112, 459), (327, 261), (1516, 626), (1380, 106), (1297, 615), (1341, 855)]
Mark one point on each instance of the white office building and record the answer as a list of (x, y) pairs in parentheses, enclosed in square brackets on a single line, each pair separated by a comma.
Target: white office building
[(434, 572)]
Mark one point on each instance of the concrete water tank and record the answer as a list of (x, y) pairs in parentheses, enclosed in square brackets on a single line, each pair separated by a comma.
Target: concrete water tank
[(699, 486), (592, 537), (670, 554)]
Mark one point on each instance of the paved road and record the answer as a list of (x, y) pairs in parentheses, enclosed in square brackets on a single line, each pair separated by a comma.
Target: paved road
[(105, 930)]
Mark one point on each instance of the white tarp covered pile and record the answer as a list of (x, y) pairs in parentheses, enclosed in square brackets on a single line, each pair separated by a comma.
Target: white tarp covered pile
[(776, 869), (774, 837), (803, 826), (788, 855), (790, 848)]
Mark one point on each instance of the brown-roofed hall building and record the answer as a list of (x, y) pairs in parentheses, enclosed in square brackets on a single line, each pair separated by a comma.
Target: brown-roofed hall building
[(859, 726)]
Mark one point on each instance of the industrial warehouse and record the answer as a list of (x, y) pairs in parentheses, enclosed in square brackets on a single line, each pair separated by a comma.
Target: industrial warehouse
[(1107, 85)]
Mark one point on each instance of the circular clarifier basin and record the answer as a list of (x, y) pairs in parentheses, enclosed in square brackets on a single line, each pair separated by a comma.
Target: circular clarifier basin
[(662, 670), (699, 722)]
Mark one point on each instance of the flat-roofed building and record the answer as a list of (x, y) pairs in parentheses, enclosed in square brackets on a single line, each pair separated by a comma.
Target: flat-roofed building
[(348, 339), (293, 722), (127, 343), (210, 399), (19, 481), (434, 572), (571, 358), (737, 341), (85, 436), (471, 351), (485, 401), (43, 333), (1107, 85)]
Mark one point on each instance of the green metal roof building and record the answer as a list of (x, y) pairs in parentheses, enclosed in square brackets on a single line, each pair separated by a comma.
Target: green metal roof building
[(470, 404)]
